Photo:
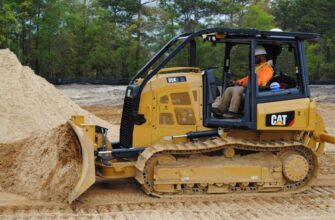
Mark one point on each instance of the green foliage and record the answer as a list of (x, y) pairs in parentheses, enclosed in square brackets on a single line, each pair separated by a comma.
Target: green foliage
[(311, 16), (113, 39), (8, 22), (258, 17), (188, 13), (313, 59)]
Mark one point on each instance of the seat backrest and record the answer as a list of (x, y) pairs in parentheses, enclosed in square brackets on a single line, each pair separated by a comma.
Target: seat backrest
[(211, 87)]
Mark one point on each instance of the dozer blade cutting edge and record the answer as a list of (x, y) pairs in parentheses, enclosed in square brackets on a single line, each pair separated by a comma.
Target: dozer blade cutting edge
[(87, 177)]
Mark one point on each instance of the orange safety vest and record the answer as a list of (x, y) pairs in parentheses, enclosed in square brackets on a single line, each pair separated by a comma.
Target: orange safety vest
[(264, 73)]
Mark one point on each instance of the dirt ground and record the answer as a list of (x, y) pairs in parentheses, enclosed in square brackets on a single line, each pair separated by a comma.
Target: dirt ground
[(125, 200), (112, 114)]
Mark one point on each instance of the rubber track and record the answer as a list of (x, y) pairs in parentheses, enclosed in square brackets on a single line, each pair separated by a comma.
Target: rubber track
[(219, 144)]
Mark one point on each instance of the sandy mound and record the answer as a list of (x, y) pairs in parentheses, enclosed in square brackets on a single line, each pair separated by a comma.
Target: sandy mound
[(30, 104), (47, 163), (45, 166)]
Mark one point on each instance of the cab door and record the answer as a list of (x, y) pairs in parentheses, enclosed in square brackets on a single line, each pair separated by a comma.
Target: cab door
[(237, 64)]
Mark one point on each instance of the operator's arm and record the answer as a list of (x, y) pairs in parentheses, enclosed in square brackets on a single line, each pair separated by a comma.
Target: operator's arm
[(243, 81)]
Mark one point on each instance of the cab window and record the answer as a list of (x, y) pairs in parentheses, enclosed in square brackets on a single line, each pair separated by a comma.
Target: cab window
[(286, 68), (286, 79), (239, 61)]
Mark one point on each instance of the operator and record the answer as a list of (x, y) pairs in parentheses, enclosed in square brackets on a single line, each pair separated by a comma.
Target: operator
[(232, 95)]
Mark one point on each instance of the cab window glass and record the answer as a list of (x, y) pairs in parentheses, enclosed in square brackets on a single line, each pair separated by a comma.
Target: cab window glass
[(286, 68), (281, 56), (209, 54), (239, 61)]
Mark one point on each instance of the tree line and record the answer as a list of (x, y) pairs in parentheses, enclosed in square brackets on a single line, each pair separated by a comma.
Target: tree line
[(113, 38)]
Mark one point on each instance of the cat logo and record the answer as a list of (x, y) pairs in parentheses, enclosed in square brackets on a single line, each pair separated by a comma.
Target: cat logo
[(280, 119)]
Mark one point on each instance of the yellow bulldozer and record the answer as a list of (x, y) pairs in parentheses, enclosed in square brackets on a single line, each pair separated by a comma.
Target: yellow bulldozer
[(172, 142)]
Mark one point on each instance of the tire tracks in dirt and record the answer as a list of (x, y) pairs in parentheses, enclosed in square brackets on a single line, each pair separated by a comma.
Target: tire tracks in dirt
[(316, 202)]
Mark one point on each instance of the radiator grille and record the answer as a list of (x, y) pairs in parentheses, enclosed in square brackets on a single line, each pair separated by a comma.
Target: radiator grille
[(185, 116), (164, 100), (181, 98), (166, 119)]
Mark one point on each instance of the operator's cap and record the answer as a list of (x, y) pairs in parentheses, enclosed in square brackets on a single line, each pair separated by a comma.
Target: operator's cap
[(260, 51)]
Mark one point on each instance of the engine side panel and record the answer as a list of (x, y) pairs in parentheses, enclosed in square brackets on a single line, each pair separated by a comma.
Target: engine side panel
[(172, 105), (298, 114)]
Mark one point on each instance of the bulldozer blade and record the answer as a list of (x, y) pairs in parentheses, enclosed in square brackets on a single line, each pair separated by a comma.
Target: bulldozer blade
[(87, 177)]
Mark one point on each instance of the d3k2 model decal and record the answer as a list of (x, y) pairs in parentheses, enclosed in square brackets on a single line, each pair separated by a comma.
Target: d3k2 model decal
[(285, 119)]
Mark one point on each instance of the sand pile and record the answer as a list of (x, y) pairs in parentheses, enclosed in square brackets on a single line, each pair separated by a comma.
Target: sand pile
[(45, 166), (30, 104), (47, 163)]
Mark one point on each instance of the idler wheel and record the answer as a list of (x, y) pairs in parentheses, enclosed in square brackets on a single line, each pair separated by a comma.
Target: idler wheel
[(295, 166)]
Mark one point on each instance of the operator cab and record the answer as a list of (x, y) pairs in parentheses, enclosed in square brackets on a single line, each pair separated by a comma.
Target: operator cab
[(282, 56), (289, 79)]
